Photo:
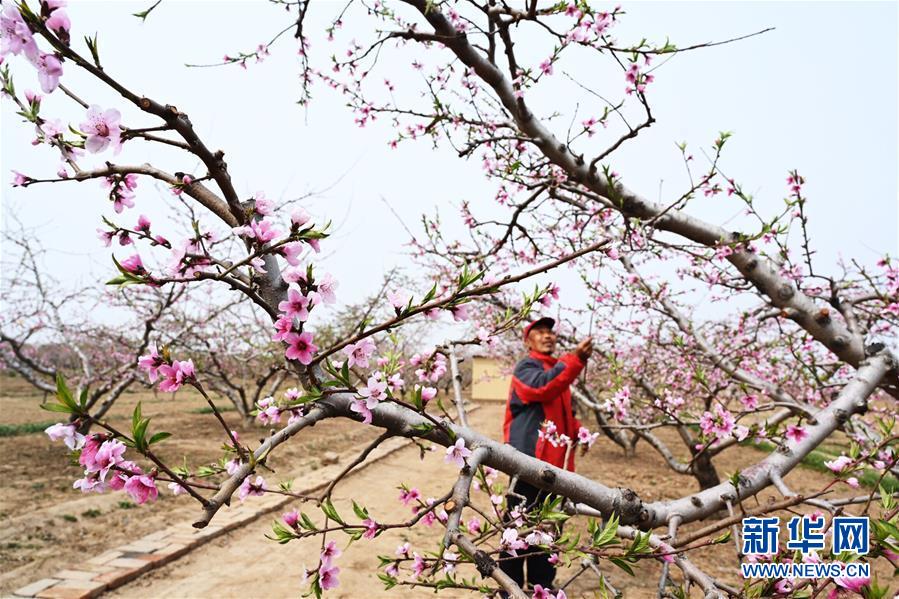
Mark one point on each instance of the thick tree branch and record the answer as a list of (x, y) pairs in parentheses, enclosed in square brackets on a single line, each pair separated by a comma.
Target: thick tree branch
[(198, 191), (758, 270)]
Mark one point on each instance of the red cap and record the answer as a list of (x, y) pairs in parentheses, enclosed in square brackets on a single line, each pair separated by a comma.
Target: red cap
[(542, 320)]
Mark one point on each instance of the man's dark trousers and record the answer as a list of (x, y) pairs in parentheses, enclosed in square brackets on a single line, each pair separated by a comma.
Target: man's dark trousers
[(540, 571)]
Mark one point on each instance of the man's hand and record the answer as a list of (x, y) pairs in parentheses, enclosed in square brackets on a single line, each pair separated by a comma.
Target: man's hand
[(584, 349)]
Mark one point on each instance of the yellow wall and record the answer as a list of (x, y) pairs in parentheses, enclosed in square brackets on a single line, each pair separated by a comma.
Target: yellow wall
[(487, 380)]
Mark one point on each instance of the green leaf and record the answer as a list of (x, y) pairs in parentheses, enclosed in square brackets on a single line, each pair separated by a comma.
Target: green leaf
[(141, 433), (360, 511), (603, 592), (206, 471), (158, 437), (135, 417), (723, 538), (94, 46), (8, 85), (883, 530), (314, 396), (139, 428), (608, 533), (640, 544), (307, 523), (331, 512), (55, 407), (354, 534), (430, 295), (573, 541), (622, 564), (389, 581), (384, 560), (282, 533), (416, 399), (145, 13), (63, 394), (423, 428)]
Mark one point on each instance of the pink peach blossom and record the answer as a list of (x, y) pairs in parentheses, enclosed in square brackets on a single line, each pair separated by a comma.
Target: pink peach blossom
[(300, 347), (326, 287), (796, 433), (371, 528), (17, 37), (67, 432), (133, 264), (151, 363), (254, 488), (58, 21), (142, 489), (409, 496), (456, 453), (291, 518), (108, 456), (175, 374), (838, 464), (327, 577), (359, 353), (299, 217), (102, 130), (330, 553), (295, 306)]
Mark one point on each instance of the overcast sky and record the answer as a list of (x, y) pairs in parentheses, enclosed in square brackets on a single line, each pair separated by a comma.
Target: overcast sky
[(819, 94)]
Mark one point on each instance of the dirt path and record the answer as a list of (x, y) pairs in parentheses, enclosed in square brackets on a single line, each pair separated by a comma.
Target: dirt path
[(246, 564), (45, 525)]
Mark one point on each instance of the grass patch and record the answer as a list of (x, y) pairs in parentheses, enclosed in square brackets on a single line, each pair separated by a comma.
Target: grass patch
[(92, 513), (69, 518), (127, 505), (14, 430), (816, 458), (15, 545), (208, 410)]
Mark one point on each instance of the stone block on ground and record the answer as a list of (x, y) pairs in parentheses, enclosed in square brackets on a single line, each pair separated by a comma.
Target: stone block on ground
[(173, 549), (72, 589), (75, 574), (36, 587), (128, 563), (143, 546), (209, 531), (120, 576), (105, 558), (120, 565)]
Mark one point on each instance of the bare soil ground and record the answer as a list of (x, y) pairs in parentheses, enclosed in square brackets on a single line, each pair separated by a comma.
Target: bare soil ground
[(261, 568), (47, 526)]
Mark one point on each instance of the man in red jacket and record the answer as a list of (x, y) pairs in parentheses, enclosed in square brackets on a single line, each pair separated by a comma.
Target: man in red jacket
[(540, 392)]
